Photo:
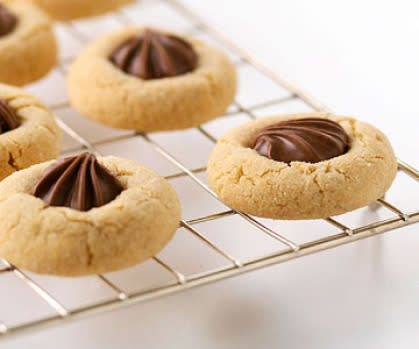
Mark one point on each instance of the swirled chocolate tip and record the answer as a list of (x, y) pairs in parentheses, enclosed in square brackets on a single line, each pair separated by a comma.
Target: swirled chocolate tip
[(8, 118), (7, 21), (308, 140), (79, 182), (154, 55)]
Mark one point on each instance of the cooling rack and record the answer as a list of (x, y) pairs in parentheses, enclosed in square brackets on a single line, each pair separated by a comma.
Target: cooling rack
[(286, 240)]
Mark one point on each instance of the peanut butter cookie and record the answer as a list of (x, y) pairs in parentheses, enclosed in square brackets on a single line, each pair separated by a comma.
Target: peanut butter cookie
[(81, 215), (149, 80), (303, 166), (28, 48)]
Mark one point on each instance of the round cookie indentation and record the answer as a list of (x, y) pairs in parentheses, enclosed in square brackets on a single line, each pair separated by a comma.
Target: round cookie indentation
[(79, 182), (102, 92), (153, 55), (36, 139), (308, 140), (29, 51), (256, 185), (133, 227)]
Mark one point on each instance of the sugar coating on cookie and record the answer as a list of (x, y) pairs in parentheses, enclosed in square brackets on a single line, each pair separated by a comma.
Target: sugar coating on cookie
[(29, 133), (57, 240), (103, 92), (255, 184), (28, 49), (65, 10)]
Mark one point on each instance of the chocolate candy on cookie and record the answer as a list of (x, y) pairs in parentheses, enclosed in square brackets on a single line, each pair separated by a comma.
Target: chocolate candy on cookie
[(8, 117), (308, 140), (150, 80), (79, 182), (153, 55), (7, 21), (302, 166)]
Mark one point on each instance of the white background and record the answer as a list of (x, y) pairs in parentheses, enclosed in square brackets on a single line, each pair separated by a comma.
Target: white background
[(360, 58)]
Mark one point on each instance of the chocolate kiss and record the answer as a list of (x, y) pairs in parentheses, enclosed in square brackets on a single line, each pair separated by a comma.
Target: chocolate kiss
[(7, 21), (309, 140), (8, 118), (78, 182), (153, 55)]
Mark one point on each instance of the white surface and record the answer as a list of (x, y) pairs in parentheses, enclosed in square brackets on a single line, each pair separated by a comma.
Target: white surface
[(359, 58)]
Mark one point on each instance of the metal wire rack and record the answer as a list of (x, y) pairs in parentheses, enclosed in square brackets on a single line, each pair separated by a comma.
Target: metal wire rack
[(289, 249)]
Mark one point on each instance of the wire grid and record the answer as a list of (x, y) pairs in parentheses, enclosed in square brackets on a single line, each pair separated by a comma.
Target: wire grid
[(235, 266)]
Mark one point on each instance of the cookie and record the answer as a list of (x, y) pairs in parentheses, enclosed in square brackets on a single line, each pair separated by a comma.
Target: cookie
[(302, 166), (149, 80), (28, 48), (65, 10), (28, 131), (83, 215)]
